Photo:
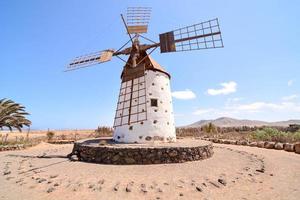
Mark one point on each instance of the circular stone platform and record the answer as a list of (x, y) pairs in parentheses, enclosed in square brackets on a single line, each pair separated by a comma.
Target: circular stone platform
[(107, 151)]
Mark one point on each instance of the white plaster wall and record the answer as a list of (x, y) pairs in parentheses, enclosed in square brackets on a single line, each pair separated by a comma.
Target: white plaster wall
[(157, 86)]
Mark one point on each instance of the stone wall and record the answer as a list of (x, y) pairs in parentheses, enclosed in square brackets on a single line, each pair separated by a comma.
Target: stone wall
[(260, 144), (141, 155)]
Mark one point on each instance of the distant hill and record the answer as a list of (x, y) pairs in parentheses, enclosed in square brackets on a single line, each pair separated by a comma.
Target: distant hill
[(231, 122)]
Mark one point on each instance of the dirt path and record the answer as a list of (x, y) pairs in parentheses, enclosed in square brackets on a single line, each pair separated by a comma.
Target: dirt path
[(234, 172)]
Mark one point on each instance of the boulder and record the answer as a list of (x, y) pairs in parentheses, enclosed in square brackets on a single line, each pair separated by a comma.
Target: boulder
[(226, 141), (278, 146), (289, 147), (261, 144), (297, 148), (269, 145), (253, 144), (232, 142)]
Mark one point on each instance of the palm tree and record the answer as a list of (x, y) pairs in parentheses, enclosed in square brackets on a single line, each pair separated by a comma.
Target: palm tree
[(12, 115)]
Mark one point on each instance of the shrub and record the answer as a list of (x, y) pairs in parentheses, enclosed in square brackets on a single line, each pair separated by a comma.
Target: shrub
[(272, 134), (50, 135), (210, 128), (103, 131)]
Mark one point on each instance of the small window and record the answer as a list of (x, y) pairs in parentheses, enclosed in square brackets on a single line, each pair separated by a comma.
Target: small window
[(153, 84), (155, 121), (130, 127), (153, 102)]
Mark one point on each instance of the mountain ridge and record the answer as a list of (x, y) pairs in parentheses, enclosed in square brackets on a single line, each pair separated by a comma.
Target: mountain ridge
[(232, 122)]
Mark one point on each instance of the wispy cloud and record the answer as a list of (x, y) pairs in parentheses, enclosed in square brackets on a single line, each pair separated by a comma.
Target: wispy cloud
[(290, 98), (184, 95), (260, 108), (203, 111), (227, 88), (290, 82)]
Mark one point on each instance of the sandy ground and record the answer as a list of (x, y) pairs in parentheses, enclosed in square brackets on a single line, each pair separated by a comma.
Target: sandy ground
[(234, 172)]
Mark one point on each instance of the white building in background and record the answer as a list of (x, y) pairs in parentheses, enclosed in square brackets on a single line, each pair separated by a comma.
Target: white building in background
[(144, 112)]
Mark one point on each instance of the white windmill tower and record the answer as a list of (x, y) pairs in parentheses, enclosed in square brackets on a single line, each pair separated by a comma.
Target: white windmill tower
[(144, 110)]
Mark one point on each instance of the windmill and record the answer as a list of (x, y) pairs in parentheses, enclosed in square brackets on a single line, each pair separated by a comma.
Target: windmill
[(144, 110)]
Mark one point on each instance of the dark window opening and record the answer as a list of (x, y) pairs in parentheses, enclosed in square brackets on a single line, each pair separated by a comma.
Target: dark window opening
[(153, 102), (130, 127), (155, 121)]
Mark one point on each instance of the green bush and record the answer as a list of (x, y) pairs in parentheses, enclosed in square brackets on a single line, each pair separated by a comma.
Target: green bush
[(272, 134)]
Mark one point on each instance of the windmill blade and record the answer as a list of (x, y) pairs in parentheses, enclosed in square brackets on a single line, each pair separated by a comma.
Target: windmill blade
[(90, 59), (205, 35), (138, 19)]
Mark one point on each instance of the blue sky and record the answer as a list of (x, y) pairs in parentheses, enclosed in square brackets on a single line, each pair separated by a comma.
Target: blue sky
[(256, 75)]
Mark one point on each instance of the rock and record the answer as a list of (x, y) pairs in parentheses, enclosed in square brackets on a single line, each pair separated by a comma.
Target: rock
[(41, 180), (289, 147), (269, 145), (260, 170), (222, 181), (6, 173), (50, 190), (116, 187), (53, 176), (99, 188), (115, 158), (56, 184), (181, 194), (199, 189), (261, 144), (143, 188), (232, 142), (129, 160), (73, 158), (173, 153), (8, 178), (297, 148), (278, 146), (128, 188), (214, 184), (159, 190), (253, 144)]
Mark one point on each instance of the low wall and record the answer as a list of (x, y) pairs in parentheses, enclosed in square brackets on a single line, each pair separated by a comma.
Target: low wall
[(260, 144), (141, 154)]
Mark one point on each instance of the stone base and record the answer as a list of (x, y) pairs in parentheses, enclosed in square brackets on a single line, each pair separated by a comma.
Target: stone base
[(106, 151)]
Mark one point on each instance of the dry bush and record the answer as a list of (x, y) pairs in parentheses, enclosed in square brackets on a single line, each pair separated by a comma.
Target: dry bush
[(50, 135)]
